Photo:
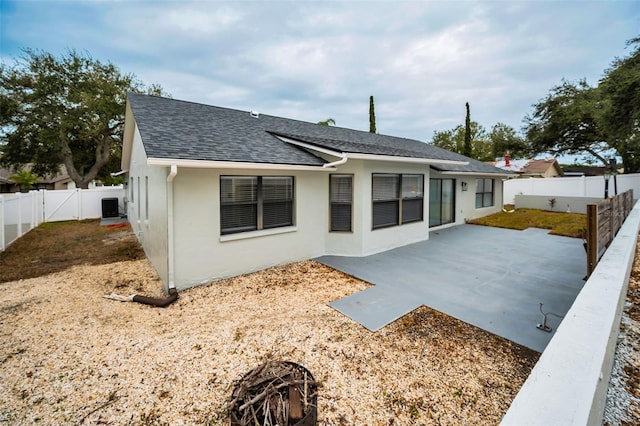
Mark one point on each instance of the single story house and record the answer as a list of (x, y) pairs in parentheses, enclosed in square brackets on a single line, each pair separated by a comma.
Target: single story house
[(215, 192), (539, 168)]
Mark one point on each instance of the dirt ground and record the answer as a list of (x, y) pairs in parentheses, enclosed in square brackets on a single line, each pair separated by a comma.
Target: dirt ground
[(70, 356), (56, 246)]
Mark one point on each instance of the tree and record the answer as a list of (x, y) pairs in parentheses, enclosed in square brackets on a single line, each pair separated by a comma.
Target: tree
[(372, 116), (454, 140), (25, 179), (568, 122), (620, 92), (327, 122), (505, 139), (467, 151), (63, 110)]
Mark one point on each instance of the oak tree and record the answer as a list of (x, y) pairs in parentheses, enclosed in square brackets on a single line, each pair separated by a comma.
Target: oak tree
[(63, 110)]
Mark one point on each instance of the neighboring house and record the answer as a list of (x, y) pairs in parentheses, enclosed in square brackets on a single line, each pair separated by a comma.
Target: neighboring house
[(215, 192), (542, 168), (60, 180), (584, 170)]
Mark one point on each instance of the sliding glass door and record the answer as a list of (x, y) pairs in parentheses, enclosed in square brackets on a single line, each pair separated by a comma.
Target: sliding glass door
[(441, 201)]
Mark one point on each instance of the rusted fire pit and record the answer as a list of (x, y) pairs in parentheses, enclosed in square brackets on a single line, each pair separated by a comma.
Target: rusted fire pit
[(275, 393)]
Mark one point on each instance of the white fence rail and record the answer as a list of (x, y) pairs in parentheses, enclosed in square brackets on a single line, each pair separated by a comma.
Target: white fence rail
[(21, 212), (592, 186)]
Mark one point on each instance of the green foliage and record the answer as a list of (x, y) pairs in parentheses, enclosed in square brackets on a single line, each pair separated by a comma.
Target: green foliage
[(576, 118), (64, 110), (327, 122), (372, 116), (566, 224), (467, 151), (506, 140), (620, 92), (568, 122), (25, 178), (454, 140)]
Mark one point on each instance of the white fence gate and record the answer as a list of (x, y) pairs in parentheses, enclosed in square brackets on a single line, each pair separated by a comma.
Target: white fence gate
[(592, 186), (19, 213)]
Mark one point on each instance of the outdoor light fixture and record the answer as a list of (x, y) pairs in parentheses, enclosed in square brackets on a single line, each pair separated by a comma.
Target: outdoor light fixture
[(613, 165), (607, 175), (464, 185)]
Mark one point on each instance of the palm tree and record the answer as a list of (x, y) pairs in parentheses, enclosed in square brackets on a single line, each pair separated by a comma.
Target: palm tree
[(25, 179), (327, 122)]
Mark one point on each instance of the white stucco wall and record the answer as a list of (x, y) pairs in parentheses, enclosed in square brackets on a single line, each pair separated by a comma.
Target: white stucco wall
[(465, 204), (377, 240), (151, 232), (349, 243), (202, 254)]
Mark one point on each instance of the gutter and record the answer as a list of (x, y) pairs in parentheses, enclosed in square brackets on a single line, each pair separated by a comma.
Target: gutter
[(340, 162), (208, 164)]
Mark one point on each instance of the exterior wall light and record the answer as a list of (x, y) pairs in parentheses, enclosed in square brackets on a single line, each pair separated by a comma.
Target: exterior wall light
[(464, 185), (607, 175)]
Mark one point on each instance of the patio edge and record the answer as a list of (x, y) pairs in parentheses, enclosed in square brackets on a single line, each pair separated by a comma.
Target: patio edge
[(569, 383)]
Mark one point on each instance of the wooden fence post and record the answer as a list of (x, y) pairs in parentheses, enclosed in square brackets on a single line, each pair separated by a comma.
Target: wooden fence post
[(592, 237)]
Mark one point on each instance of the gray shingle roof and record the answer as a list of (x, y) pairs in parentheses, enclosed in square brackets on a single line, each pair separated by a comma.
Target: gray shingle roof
[(189, 131)]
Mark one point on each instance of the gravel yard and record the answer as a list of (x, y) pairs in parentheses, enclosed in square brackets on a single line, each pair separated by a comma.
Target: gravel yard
[(69, 356), (623, 397)]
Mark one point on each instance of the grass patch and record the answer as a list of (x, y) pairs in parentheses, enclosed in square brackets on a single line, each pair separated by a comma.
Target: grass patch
[(57, 246), (566, 224)]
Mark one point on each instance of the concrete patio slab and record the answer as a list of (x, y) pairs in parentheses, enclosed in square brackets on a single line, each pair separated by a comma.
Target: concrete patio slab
[(490, 277)]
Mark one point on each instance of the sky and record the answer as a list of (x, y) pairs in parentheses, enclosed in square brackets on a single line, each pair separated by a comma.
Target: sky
[(314, 60)]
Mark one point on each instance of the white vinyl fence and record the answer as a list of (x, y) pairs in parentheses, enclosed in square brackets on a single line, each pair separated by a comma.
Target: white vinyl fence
[(592, 186), (21, 212)]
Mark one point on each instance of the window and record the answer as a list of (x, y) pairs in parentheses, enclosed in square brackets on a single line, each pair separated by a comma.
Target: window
[(340, 202), (138, 199), (132, 189), (249, 203), (146, 198), (412, 198), (397, 199), (484, 193)]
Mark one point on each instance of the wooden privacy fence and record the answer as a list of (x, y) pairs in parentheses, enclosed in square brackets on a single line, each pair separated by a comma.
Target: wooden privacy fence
[(604, 219)]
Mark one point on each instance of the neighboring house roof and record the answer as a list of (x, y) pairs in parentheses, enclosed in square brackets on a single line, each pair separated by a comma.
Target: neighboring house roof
[(584, 170), (528, 167), (62, 175), (174, 129)]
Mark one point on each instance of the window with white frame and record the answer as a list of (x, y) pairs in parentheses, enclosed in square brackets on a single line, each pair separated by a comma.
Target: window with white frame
[(340, 203), (396, 199), (250, 203), (146, 198), (484, 193), (139, 199)]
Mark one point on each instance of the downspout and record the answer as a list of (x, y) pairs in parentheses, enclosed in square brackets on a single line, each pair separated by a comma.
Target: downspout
[(170, 237), (340, 162), (173, 293)]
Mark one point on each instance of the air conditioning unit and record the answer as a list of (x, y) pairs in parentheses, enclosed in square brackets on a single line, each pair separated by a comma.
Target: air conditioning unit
[(110, 208)]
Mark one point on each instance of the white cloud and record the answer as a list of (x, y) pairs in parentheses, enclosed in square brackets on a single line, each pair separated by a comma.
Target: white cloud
[(313, 60)]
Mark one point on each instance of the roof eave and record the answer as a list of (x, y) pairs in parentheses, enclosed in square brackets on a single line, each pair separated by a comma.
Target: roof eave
[(372, 157), (209, 164), (476, 173), (393, 158)]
